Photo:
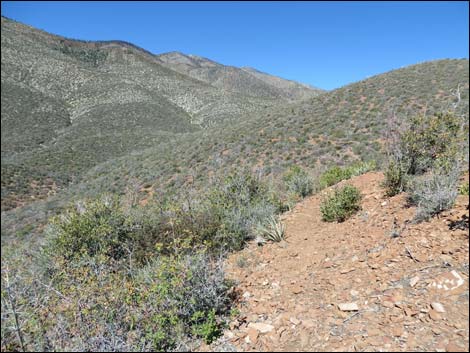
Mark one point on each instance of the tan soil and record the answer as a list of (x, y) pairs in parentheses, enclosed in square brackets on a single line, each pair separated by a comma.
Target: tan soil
[(296, 286)]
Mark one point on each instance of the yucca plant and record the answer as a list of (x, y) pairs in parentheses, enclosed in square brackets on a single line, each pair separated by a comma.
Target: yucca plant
[(273, 229)]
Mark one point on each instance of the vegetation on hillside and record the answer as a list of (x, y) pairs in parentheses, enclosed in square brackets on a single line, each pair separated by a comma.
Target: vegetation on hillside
[(426, 158), (187, 173)]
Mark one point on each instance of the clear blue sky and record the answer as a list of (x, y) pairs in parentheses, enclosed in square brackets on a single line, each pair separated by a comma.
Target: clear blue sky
[(325, 44)]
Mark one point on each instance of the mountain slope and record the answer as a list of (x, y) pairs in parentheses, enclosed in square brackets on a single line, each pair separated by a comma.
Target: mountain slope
[(68, 105), (337, 127), (294, 90), (120, 117), (243, 80)]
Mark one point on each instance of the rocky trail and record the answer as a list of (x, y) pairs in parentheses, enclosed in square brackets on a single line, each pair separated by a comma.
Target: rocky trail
[(375, 282)]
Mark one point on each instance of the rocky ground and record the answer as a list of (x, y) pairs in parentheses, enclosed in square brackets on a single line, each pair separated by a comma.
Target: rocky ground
[(373, 283)]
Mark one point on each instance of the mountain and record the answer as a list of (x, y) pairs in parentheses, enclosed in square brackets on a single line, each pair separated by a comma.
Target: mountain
[(335, 128), (68, 105), (184, 161), (82, 118), (293, 89), (243, 80)]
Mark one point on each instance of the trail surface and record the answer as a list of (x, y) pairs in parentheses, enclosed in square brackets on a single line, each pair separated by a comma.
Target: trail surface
[(367, 284)]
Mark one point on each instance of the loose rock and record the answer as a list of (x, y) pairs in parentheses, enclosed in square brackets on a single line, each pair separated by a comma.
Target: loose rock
[(261, 327), (348, 307)]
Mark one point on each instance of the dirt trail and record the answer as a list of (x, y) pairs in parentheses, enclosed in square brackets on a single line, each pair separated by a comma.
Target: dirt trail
[(292, 293)]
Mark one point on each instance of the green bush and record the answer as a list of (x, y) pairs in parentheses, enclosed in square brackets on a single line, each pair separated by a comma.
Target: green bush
[(333, 176), (428, 143), (96, 228), (299, 182), (181, 296), (239, 202), (463, 189), (158, 307), (360, 168), (396, 178), (340, 205)]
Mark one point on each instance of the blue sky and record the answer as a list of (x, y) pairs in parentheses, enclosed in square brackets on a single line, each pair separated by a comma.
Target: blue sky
[(325, 44)]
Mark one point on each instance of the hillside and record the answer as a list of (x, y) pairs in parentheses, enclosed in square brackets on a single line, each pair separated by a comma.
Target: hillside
[(337, 127), (292, 293), (82, 103), (172, 203), (242, 80)]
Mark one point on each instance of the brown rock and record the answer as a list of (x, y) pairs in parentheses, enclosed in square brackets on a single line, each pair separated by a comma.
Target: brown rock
[(388, 304), (397, 331), (347, 270), (304, 339), (452, 347), (261, 327), (434, 315), (308, 323), (253, 335), (374, 332)]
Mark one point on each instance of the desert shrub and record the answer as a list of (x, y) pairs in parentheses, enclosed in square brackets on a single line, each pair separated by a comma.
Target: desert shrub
[(95, 228), (180, 296), (89, 55), (159, 307), (430, 142), (341, 204), (434, 192), (396, 178), (333, 176), (424, 144), (271, 229), (298, 181), (463, 189), (362, 167), (239, 202)]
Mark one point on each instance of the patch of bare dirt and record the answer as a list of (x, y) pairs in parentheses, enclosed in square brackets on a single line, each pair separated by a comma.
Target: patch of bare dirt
[(376, 282)]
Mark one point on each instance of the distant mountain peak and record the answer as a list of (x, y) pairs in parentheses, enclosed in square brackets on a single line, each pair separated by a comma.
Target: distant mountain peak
[(245, 80)]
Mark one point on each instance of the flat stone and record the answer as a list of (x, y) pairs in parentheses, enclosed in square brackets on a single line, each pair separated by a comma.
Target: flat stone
[(434, 315), (452, 347), (348, 307), (253, 334), (414, 280), (261, 327), (397, 331), (373, 332), (354, 293), (438, 307), (294, 320), (304, 339), (347, 270), (388, 304), (308, 323)]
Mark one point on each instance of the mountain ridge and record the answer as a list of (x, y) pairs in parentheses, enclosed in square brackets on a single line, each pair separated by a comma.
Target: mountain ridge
[(232, 78)]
